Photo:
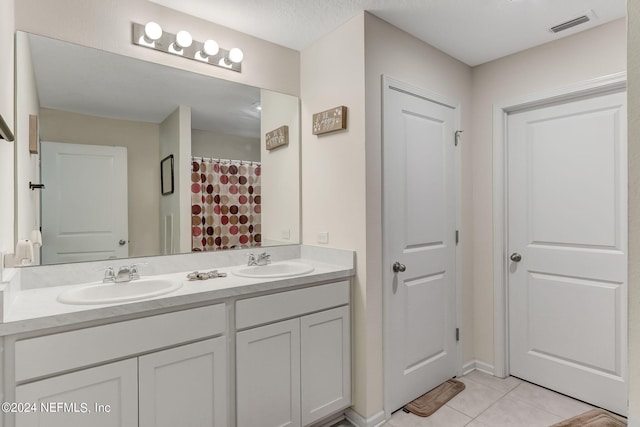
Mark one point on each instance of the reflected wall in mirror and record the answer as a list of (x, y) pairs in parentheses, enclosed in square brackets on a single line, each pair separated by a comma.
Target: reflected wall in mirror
[(106, 122)]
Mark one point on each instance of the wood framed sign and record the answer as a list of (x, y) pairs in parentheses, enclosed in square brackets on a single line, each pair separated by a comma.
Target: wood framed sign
[(277, 137), (330, 121)]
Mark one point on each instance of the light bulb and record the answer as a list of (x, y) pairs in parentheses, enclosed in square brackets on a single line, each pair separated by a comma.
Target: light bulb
[(152, 31), (183, 39), (236, 55), (210, 48)]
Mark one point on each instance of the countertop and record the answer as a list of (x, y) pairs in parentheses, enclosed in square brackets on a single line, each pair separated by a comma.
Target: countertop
[(38, 309)]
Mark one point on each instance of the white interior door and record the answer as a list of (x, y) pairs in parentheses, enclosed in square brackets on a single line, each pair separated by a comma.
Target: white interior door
[(84, 203), (567, 190), (419, 208)]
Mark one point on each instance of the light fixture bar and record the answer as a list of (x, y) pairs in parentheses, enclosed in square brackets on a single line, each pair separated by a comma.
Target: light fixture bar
[(196, 52)]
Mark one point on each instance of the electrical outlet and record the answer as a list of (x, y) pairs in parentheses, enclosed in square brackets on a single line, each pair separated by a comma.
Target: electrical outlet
[(323, 237), (286, 234)]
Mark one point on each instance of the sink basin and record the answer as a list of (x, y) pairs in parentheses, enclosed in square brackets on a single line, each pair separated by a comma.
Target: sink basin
[(104, 293), (277, 269)]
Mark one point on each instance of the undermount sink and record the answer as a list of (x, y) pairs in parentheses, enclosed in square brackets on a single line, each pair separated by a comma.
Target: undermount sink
[(275, 270), (104, 293)]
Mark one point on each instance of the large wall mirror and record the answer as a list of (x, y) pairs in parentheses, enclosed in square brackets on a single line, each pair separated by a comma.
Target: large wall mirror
[(106, 125)]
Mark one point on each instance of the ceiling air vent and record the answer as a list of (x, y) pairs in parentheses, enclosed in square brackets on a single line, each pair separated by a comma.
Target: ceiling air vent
[(572, 23)]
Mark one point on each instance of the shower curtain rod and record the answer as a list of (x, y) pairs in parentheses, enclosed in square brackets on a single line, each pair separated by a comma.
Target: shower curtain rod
[(228, 160)]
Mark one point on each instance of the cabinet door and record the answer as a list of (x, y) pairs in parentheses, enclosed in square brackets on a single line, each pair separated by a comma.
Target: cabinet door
[(104, 396), (326, 363), (268, 375), (185, 386)]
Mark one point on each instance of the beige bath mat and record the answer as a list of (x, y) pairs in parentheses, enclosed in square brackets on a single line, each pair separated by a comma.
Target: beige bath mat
[(430, 402), (594, 418)]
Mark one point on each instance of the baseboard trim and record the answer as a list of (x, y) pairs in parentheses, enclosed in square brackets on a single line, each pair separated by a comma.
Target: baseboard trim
[(633, 422), (476, 365), (359, 421)]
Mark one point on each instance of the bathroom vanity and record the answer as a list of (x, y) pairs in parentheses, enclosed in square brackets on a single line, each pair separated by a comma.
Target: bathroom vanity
[(231, 351)]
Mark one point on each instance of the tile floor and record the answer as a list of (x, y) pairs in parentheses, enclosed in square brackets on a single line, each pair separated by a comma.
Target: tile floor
[(488, 401)]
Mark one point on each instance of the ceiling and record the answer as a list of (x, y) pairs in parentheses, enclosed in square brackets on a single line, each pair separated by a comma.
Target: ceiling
[(473, 31), (79, 79)]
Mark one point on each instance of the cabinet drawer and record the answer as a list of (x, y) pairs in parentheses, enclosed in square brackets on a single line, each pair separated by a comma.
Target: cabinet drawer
[(283, 305), (36, 357)]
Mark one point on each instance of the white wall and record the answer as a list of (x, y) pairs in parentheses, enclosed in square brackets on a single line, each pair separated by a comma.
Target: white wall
[(333, 177), (223, 146), (175, 138), (27, 165), (342, 171), (633, 96), (583, 56), (143, 165), (7, 29), (280, 169)]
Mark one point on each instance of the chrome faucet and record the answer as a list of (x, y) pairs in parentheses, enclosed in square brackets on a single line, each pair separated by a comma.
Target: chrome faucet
[(261, 259), (126, 273), (264, 259)]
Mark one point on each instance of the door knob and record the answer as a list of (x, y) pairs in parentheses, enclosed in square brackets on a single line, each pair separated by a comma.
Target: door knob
[(122, 242), (399, 268), (515, 257)]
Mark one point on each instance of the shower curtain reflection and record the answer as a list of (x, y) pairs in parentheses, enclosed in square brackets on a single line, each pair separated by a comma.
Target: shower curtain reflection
[(225, 204)]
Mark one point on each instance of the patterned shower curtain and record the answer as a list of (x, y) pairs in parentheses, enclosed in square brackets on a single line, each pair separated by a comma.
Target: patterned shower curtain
[(225, 204)]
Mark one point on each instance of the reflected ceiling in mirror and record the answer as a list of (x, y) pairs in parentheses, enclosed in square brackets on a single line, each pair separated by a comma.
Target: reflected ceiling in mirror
[(83, 80)]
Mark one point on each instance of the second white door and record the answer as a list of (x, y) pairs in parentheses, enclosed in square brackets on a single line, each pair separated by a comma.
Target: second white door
[(568, 248)]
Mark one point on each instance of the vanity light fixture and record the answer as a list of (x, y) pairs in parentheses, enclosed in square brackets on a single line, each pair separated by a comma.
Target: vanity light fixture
[(183, 41), (152, 32), (209, 48), (152, 36), (235, 55)]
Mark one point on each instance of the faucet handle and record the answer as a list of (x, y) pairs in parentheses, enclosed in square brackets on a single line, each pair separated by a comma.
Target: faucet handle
[(251, 259), (133, 270), (264, 257), (109, 275)]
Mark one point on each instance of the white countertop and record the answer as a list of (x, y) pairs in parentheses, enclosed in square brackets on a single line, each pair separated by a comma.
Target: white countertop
[(36, 309)]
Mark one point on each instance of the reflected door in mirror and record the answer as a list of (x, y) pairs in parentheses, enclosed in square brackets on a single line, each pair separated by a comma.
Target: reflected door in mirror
[(84, 206)]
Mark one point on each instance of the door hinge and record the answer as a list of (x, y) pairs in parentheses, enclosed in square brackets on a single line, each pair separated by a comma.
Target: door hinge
[(457, 236), (457, 334), (457, 137)]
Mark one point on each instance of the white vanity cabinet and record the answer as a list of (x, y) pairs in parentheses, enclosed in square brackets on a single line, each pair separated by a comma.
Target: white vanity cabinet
[(113, 386), (268, 375), (297, 371), (185, 384)]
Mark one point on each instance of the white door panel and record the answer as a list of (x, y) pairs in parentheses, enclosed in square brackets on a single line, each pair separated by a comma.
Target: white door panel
[(84, 205), (109, 392), (419, 232), (568, 220)]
